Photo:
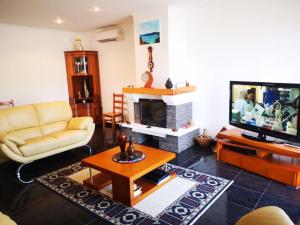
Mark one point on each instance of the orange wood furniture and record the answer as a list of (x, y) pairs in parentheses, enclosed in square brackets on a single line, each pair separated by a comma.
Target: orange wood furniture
[(84, 83), (116, 115), (7, 103), (123, 176), (159, 91), (275, 161)]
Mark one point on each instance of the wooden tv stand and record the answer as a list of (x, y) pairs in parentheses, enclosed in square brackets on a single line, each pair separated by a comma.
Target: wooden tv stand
[(275, 161)]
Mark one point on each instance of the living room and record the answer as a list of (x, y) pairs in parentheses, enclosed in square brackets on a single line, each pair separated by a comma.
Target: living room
[(203, 45)]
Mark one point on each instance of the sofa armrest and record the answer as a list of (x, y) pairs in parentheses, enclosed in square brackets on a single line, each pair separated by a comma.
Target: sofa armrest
[(79, 123), (16, 139), (12, 142), (4, 219)]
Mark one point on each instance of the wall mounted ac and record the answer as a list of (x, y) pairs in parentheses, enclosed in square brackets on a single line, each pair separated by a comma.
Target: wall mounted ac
[(115, 34)]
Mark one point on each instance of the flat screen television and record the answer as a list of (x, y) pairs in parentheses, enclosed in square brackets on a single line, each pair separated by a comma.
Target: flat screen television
[(153, 112), (269, 109)]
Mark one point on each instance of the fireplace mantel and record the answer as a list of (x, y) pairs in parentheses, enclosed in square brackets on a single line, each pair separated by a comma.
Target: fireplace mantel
[(175, 96), (159, 91)]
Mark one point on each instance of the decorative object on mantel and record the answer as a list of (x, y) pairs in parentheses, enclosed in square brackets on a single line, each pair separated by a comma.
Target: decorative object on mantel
[(169, 84), (204, 140), (78, 44), (174, 129), (148, 79), (187, 84)]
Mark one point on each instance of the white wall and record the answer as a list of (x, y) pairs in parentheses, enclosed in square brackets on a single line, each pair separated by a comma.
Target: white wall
[(117, 65), (208, 43), (255, 40), (33, 64), (160, 50)]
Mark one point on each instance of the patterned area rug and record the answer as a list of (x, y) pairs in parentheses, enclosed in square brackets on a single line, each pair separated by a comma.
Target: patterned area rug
[(186, 208)]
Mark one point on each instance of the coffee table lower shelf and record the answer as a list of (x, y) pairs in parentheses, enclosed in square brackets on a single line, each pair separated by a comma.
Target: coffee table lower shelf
[(101, 180)]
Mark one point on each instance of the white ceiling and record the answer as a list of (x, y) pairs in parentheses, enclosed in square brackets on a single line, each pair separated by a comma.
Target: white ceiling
[(77, 15)]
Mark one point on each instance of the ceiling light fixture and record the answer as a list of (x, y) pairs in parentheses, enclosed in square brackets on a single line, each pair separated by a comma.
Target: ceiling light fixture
[(58, 21), (96, 9)]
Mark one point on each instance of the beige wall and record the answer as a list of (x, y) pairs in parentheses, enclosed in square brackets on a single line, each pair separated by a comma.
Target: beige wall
[(160, 50), (32, 64), (117, 65)]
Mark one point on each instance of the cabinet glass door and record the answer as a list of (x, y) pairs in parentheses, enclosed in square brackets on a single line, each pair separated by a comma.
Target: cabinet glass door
[(81, 65)]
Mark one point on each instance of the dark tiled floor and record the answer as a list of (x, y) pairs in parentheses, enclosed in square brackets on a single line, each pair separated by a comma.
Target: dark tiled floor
[(34, 204)]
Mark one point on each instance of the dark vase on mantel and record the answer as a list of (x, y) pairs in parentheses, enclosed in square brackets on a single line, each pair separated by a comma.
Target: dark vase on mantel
[(169, 84), (122, 139)]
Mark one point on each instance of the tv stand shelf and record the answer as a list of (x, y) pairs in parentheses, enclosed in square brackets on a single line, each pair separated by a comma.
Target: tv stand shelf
[(275, 161)]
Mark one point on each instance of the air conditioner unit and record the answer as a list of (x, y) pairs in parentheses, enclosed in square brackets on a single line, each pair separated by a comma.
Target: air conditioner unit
[(110, 35)]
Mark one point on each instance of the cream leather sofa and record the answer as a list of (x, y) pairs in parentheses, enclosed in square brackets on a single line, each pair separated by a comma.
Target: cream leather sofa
[(32, 132), (268, 215), (5, 220)]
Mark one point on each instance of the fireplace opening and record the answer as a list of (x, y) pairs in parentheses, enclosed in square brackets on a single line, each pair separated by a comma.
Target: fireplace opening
[(153, 112)]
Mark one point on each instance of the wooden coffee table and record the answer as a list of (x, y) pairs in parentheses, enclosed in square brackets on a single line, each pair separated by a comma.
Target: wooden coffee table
[(123, 176)]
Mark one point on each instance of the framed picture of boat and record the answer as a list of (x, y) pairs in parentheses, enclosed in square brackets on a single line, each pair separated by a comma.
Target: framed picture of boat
[(149, 32)]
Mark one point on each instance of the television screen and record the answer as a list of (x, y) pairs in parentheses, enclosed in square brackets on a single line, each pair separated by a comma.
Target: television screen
[(271, 108)]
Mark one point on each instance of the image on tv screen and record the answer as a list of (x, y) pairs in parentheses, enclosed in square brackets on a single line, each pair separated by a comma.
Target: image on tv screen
[(272, 108)]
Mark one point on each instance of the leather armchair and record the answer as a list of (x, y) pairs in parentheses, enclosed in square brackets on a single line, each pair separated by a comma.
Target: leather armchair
[(268, 215), (32, 132), (5, 220)]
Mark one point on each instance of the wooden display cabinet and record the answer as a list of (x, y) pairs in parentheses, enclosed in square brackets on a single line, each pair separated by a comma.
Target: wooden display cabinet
[(84, 83)]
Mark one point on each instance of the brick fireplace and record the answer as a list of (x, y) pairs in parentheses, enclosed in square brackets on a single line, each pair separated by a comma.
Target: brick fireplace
[(176, 135)]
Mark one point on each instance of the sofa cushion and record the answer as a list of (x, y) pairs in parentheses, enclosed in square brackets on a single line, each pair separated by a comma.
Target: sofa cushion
[(68, 137), (52, 112), (53, 127), (79, 123), (39, 145), (17, 118), (27, 133)]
